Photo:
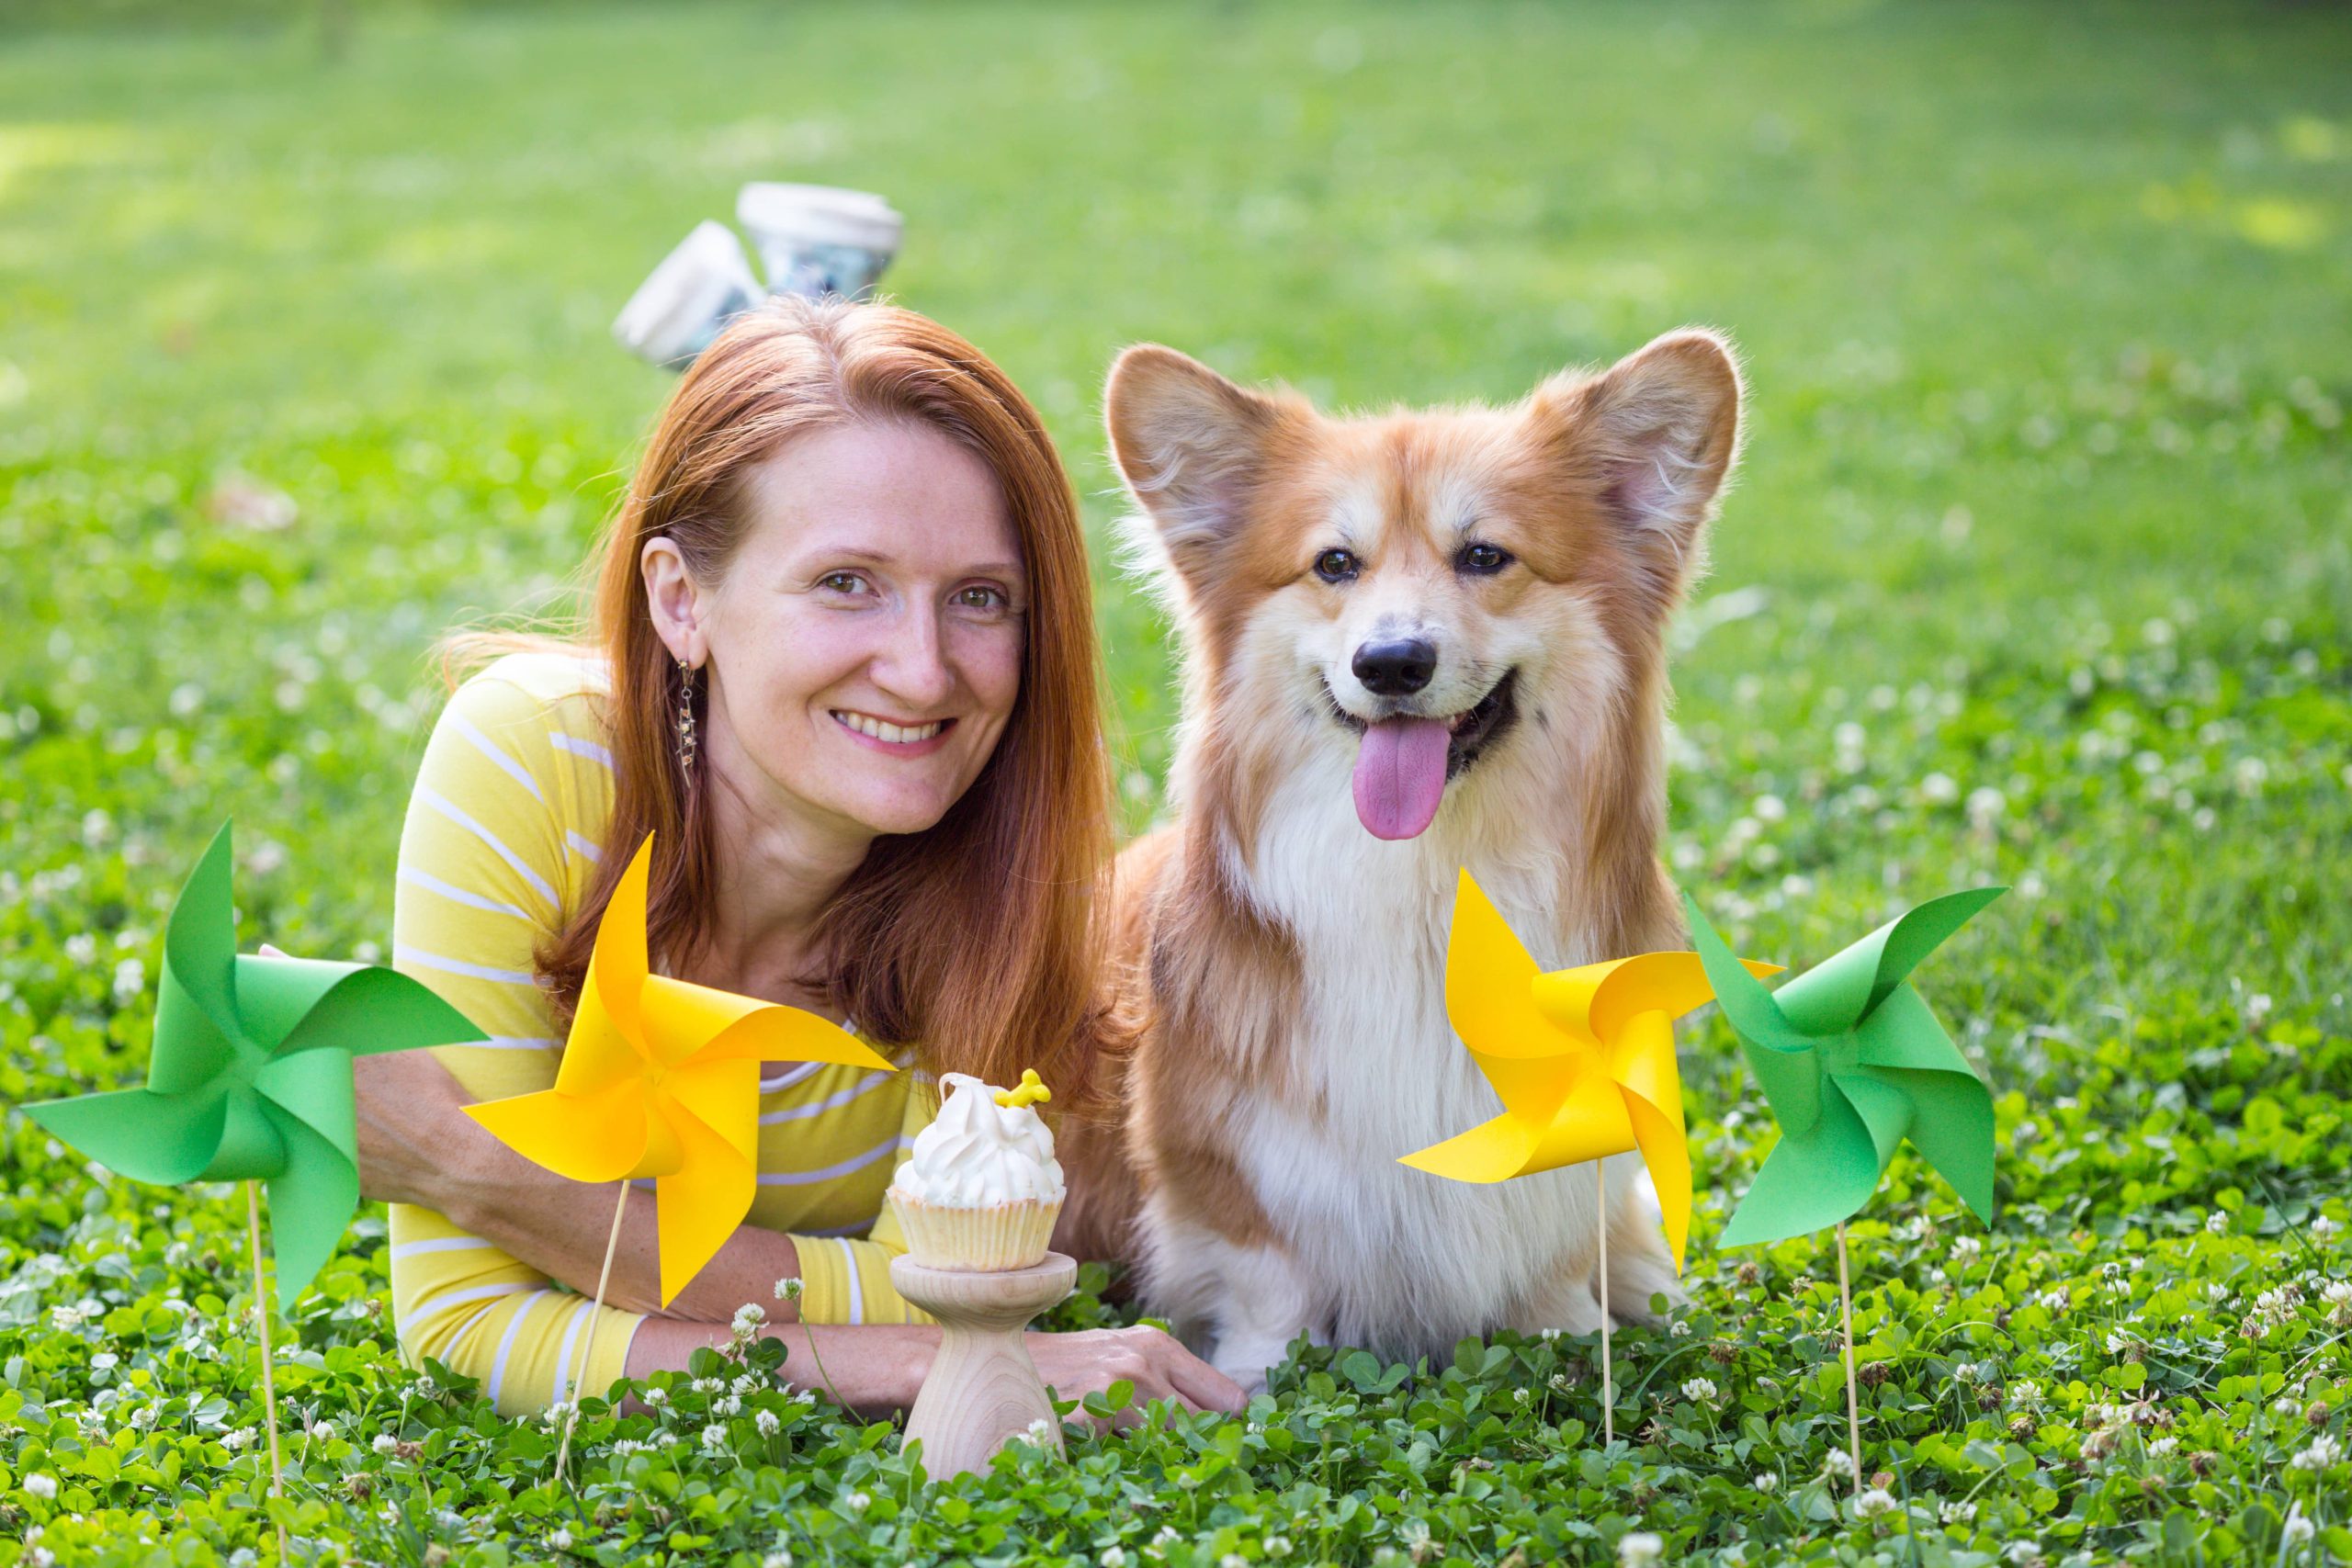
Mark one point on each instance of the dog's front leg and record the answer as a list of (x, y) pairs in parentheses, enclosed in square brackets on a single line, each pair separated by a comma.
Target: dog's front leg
[(1238, 1303)]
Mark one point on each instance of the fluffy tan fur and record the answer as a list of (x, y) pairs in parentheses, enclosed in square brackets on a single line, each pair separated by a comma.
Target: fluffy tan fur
[(1287, 964)]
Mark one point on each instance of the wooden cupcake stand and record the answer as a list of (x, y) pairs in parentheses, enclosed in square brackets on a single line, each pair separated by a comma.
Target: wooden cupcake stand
[(983, 1390)]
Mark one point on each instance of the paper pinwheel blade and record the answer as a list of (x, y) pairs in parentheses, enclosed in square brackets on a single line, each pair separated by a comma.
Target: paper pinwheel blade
[(1582, 1059), (661, 1078), (1854, 1063), (249, 1076)]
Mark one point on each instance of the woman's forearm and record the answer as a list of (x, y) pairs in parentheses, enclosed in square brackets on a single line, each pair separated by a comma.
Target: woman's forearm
[(560, 1228), (872, 1370)]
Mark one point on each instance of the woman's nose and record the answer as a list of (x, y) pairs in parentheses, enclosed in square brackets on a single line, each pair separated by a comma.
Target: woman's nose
[(912, 666)]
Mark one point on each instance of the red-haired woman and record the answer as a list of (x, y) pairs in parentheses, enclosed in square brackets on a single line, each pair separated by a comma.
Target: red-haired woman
[(843, 666)]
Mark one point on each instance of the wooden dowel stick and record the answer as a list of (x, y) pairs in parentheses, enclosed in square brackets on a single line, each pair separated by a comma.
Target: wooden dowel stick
[(268, 1374), (588, 1340), (1608, 1385), (1846, 1315)]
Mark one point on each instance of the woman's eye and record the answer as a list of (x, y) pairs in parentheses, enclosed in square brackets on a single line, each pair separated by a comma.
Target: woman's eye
[(1483, 559), (843, 583), (1335, 566), (981, 598)]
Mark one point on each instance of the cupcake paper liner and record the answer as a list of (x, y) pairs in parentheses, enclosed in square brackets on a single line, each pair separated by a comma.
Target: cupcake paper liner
[(987, 1240)]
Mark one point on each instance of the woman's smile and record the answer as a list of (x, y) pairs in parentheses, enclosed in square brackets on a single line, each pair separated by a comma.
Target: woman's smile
[(894, 737)]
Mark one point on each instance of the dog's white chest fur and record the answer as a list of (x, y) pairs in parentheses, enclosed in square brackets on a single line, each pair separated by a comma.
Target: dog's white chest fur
[(1386, 1255)]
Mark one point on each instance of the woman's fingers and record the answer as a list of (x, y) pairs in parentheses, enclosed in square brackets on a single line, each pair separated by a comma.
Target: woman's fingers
[(1159, 1368)]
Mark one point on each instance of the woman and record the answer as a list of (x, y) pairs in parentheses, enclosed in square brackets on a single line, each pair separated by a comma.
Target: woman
[(844, 669)]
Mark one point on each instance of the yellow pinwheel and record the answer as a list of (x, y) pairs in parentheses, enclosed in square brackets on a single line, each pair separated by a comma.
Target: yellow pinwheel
[(1583, 1060), (661, 1078)]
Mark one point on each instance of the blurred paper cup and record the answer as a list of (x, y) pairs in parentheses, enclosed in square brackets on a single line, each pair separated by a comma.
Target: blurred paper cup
[(817, 240), (689, 299)]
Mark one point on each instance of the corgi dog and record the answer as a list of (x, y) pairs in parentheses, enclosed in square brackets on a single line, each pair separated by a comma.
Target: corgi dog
[(1412, 642)]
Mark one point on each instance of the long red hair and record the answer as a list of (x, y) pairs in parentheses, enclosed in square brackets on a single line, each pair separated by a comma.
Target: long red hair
[(976, 938)]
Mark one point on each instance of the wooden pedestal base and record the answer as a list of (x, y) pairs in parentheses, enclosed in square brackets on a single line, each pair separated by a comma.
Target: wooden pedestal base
[(982, 1389)]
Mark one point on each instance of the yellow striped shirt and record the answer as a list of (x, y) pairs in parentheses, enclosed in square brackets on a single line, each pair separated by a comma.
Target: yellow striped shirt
[(504, 833)]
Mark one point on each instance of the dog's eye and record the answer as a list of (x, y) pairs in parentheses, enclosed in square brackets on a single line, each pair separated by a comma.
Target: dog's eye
[(1335, 566), (1484, 559)]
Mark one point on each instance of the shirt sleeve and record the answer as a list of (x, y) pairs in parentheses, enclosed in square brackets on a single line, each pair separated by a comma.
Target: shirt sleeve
[(846, 1280), (488, 865)]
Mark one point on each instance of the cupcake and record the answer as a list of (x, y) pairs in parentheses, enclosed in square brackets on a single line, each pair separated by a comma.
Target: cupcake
[(981, 1190)]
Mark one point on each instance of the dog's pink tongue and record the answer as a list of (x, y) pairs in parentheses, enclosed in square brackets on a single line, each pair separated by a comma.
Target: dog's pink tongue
[(1400, 776)]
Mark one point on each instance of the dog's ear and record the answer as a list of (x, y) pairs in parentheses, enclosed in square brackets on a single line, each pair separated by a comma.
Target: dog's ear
[(1650, 440), (1190, 443)]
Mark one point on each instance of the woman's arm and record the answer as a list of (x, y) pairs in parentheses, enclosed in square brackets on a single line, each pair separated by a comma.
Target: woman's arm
[(417, 1145)]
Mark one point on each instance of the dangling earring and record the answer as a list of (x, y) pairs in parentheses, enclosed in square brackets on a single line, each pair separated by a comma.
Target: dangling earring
[(686, 719)]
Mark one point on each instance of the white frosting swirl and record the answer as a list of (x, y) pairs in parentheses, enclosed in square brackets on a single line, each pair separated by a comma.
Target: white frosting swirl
[(978, 1152)]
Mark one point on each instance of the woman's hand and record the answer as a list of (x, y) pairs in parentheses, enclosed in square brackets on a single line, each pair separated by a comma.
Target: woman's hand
[(1075, 1365)]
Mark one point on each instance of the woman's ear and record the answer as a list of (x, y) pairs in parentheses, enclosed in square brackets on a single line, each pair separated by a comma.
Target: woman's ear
[(676, 601)]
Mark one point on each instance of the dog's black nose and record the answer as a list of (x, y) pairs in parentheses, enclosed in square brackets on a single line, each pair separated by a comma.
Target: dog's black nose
[(1395, 668)]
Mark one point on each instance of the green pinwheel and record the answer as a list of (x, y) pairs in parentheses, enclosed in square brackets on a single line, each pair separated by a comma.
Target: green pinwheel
[(250, 1075), (1853, 1063)]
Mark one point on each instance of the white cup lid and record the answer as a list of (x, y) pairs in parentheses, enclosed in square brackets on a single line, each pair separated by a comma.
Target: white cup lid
[(818, 215), (703, 275)]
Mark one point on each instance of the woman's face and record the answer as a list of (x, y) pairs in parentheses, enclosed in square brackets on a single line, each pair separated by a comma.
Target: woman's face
[(864, 647)]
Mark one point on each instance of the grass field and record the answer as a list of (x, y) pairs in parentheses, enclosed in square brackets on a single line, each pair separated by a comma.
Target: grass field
[(2040, 570)]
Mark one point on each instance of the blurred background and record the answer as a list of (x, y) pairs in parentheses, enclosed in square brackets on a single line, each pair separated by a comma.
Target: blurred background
[(2037, 568)]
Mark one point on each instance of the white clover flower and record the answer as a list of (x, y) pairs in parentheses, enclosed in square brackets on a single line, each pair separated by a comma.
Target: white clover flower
[(2216, 1223), (776, 1559), (749, 1383), (2297, 1530), (1640, 1549), (2023, 1550), (787, 1290), (1965, 1248), (1839, 1462), (2163, 1447), (1278, 1546), (425, 1387), (1680, 1330), (559, 1539), (729, 1407), (1939, 789), (1878, 1500), (858, 1502), (1700, 1391), (1233, 1559), (657, 1396), (714, 1437), (1040, 1433), (2324, 1229), (385, 1443), (2055, 1299), (768, 1422), (1955, 1512), (1115, 1557), (1766, 1482), (624, 1447), (143, 1419), (322, 1431), (237, 1440), (2326, 1451), (2338, 1293), (707, 1386), (42, 1486)]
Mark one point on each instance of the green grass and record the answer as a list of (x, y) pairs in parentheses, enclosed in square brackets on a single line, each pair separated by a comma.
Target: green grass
[(2038, 571)]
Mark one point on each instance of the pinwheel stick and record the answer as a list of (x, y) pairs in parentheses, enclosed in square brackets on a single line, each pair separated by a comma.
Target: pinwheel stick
[(1608, 1385), (1846, 1318), (268, 1377), (588, 1340)]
